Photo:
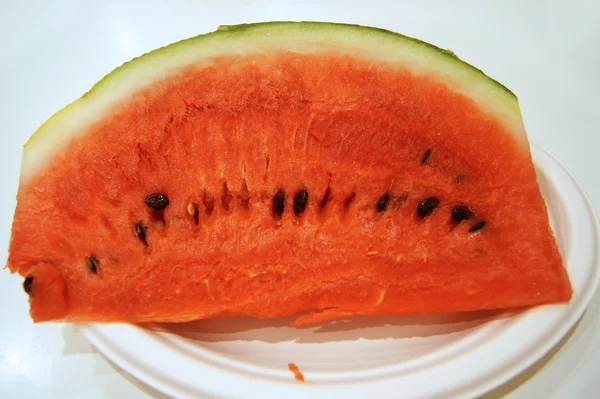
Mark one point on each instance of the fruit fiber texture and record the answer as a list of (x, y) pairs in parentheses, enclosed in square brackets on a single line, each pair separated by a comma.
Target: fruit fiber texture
[(321, 181)]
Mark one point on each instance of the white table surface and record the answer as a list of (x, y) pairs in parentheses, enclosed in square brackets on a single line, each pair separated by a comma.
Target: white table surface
[(547, 52)]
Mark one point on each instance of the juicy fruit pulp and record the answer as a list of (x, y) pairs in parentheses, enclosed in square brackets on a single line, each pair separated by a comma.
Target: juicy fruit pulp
[(271, 183)]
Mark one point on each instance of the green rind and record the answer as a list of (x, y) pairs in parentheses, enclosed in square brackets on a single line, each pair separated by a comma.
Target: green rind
[(232, 30), (447, 53)]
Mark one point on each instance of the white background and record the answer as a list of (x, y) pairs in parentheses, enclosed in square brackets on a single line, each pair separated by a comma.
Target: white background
[(548, 53)]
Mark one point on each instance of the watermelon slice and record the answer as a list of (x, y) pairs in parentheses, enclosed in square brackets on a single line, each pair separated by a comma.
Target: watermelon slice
[(276, 168)]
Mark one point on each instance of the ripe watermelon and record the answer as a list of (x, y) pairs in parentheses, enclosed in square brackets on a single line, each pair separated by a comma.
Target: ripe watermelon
[(275, 168)]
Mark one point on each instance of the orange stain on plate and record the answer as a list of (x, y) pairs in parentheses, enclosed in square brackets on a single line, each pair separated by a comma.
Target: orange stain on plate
[(297, 373)]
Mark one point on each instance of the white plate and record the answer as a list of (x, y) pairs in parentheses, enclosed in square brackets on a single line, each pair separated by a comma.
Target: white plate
[(460, 355)]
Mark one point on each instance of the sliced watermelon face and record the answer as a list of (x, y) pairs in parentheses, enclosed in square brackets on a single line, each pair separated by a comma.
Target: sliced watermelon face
[(273, 168)]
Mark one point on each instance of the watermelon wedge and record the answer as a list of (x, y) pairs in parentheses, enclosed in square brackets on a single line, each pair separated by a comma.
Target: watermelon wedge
[(276, 168)]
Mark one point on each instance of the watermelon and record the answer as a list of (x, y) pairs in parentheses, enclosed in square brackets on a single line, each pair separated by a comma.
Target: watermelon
[(270, 169)]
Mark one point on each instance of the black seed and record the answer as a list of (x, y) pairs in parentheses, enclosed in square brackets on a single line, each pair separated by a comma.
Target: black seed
[(425, 156), (93, 263), (460, 213), (427, 206), (226, 197), (209, 203), (382, 202), (140, 230), (157, 201), (325, 199), (300, 201), (477, 226), (27, 284), (459, 179), (349, 199), (278, 203)]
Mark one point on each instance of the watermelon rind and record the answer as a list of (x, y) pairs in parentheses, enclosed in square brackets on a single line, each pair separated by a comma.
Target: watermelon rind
[(378, 45)]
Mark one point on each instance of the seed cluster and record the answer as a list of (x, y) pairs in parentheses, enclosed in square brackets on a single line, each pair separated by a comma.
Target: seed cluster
[(158, 202)]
